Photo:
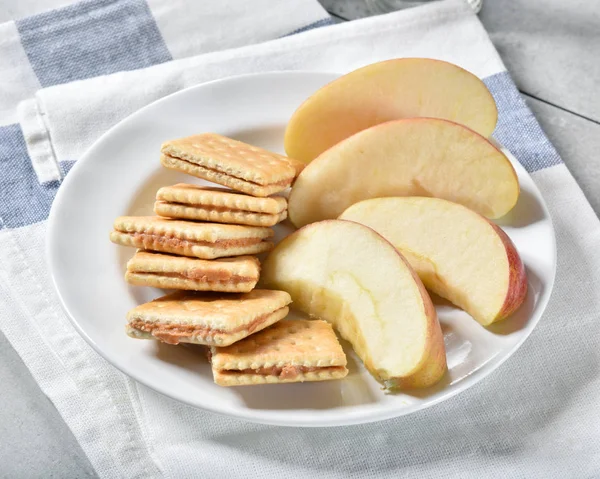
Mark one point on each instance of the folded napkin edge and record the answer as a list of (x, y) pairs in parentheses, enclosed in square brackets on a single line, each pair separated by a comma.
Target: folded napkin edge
[(38, 142)]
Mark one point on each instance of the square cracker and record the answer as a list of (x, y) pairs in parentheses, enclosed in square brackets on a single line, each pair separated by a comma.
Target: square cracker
[(207, 318), (222, 198), (219, 205), (201, 213), (216, 215), (231, 163), (234, 275), (287, 345), (201, 240), (208, 232)]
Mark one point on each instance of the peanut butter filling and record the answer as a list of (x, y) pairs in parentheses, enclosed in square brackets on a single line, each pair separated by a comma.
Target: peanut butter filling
[(283, 372), (219, 209), (278, 183), (148, 239), (202, 276), (174, 333)]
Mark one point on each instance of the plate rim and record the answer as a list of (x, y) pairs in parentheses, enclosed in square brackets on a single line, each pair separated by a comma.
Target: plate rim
[(276, 417)]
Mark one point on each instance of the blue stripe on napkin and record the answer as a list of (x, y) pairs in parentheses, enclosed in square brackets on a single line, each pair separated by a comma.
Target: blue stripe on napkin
[(517, 129), (91, 38), (23, 200)]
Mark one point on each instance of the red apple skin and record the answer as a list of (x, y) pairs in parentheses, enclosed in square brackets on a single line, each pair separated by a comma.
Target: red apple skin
[(517, 277)]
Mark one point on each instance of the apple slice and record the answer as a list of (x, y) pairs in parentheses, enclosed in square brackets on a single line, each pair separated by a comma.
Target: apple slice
[(457, 253), (389, 90), (414, 157), (347, 274)]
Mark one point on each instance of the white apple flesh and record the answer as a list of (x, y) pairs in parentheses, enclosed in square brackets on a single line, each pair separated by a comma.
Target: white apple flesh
[(414, 157), (347, 274), (384, 91), (457, 253)]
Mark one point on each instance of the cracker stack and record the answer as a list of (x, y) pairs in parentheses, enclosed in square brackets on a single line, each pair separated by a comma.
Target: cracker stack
[(203, 236), (202, 242)]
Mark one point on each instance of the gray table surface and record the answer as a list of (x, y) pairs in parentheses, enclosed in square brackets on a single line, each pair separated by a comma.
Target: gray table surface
[(551, 47)]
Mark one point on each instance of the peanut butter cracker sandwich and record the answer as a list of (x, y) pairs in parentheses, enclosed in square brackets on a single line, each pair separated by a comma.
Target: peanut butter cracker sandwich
[(289, 351), (231, 163), (203, 203), (231, 275), (212, 319), (186, 238)]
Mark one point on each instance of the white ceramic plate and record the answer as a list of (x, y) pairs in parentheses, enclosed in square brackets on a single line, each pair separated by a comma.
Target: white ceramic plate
[(120, 174)]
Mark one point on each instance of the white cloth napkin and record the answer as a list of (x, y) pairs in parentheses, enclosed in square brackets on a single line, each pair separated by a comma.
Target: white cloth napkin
[(537, 416)]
